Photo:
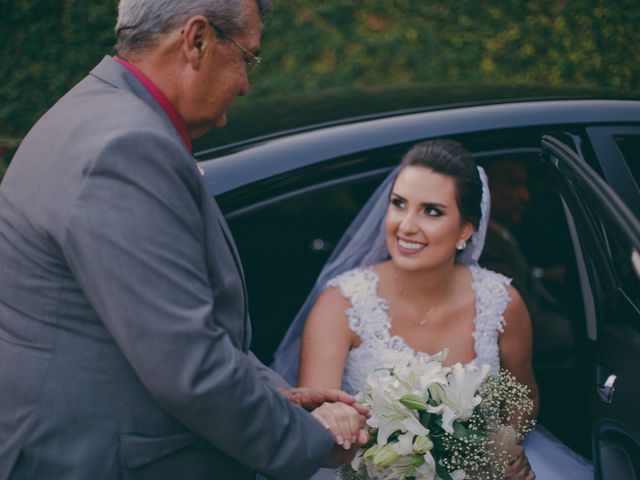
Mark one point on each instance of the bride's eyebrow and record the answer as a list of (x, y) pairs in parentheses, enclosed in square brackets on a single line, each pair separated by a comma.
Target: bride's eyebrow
[(434, 205), (423, 204)]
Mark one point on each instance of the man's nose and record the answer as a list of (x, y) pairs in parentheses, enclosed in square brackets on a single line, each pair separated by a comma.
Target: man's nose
[(525, 195), (243, 88)]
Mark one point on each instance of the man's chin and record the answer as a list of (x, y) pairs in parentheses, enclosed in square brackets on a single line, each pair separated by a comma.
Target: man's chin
[(200, 131), (220, 122)]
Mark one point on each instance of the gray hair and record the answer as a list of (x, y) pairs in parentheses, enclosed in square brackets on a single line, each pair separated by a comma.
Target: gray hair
[(140, 22)]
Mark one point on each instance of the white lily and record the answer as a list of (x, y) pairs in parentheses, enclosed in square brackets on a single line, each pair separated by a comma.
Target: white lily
[(388, 415), (420, 375), (404, 445), (459, 396), (426, 471), (357, 460), (405, 466)]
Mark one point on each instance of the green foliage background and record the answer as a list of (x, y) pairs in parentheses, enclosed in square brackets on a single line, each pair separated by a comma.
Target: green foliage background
[(308, 46)]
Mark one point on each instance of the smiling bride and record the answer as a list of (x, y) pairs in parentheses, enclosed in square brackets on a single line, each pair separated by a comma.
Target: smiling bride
[(405, 278)]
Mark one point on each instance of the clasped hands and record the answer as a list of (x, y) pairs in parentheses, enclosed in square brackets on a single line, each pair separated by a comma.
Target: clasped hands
[(339, 413)]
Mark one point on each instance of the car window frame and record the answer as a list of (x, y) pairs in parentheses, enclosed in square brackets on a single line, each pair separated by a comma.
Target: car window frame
[(603, 277), (613, 164)]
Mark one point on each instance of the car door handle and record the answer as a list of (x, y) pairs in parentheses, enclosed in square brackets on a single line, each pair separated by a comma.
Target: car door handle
[(606, 390)]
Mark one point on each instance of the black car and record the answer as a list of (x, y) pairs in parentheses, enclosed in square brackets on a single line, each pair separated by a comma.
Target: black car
[(288, 197)]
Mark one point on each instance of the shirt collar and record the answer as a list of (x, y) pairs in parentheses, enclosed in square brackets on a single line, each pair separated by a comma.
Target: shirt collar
[(161, 98)]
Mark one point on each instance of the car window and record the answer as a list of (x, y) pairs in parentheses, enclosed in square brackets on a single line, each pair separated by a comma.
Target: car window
[(617, 150), (618, 268), (629, 146), (283, 245), (626, 263)]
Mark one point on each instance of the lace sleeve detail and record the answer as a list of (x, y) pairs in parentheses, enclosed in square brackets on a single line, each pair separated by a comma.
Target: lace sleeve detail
[(368, 319), (359, 287), (492, 298)]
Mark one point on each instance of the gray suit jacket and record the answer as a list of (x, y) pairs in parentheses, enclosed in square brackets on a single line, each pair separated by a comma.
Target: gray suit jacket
[(124, 331)]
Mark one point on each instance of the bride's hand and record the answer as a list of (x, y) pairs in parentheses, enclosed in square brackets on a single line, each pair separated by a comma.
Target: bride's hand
[(344, 422), (520, 468), (312, 398)]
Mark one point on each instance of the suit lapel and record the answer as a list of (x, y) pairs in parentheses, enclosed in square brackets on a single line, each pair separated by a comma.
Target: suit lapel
[(236, 259)]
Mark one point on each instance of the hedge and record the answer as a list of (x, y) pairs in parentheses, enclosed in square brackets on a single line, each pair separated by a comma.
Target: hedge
[(309, 46)]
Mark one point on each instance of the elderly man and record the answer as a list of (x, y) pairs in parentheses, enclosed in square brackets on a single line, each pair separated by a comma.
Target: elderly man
[(124, 332)]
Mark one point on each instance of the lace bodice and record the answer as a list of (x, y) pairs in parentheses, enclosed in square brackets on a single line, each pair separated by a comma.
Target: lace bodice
[(369, 319)]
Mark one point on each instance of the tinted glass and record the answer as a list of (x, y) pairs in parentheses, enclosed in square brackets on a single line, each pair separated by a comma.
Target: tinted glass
[(620, 257), (284, 245), (629, 145), (626, 264)]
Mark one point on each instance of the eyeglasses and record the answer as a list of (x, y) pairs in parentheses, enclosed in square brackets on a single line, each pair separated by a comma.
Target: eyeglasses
[(250, 60)]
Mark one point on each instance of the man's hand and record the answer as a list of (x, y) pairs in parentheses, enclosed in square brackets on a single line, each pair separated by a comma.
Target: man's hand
[(347, 426), (312, 398)]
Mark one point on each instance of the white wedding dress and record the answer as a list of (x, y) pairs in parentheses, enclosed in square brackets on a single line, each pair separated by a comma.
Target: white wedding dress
[(368, 318)]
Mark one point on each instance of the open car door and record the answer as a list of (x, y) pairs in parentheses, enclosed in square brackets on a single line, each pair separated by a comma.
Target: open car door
[(606, 239)]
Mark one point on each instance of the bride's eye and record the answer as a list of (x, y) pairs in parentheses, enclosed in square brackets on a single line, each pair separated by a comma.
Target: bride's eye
[(433, 212), (397, 202)]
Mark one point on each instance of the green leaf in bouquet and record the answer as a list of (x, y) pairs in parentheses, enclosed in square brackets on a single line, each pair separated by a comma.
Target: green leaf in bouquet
[(443, 473), (348, 473), (438, 443), (414, 402), (436, 426), (460, 431), (475, 436), (371, 441), (425, 418), (394, 436)]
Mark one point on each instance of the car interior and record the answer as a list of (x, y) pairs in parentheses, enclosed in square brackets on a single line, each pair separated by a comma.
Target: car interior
[(285, 236)]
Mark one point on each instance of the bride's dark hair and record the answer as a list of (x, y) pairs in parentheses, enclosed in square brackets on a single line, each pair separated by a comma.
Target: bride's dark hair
[(450, 158)]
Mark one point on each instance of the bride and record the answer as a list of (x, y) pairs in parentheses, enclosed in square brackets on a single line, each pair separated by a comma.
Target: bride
[(405, 277)]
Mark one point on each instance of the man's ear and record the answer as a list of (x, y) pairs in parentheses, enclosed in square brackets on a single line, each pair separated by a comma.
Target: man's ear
[(197, 36)]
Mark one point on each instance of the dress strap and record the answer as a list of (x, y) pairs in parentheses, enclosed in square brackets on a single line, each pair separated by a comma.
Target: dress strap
[(492, 297), (367, 314)]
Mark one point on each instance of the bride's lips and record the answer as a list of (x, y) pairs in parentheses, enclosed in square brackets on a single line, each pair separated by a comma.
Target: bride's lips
[(409, 247)]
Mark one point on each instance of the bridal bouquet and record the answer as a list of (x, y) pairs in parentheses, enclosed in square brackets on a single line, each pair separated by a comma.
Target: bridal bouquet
[(433, 422)]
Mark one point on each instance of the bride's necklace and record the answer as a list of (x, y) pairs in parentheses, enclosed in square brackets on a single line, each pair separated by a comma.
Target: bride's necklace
[(426, 316)]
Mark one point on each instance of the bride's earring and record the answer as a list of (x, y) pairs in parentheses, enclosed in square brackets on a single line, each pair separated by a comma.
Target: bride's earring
[(461, 245)]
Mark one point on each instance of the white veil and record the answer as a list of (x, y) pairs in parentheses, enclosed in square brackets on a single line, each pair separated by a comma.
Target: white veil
[(363, 244)]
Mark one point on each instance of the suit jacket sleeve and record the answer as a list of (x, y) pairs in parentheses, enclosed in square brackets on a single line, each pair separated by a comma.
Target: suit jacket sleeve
[(268, 375), (134, 240)]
